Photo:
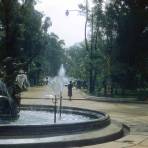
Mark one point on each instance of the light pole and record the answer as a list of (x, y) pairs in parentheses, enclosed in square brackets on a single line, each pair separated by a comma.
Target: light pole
[(86, 21), (89, 49), (68, 11)]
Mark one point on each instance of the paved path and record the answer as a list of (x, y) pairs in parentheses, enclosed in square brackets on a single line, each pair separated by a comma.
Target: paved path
[(133, 115)]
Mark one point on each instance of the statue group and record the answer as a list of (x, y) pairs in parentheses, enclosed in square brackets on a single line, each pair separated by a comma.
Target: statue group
[(13, 80)]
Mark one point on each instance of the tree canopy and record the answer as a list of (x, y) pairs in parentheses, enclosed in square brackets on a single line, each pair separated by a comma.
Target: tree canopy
[(116, 48), (24, 37), (113, 55)]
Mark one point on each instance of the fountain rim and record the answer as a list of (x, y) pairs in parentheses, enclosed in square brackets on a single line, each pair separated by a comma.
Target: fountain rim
[(7, 130), (65, 109)]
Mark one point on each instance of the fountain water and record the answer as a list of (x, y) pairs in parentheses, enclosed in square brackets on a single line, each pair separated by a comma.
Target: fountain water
[(58, 82), (57, 85)]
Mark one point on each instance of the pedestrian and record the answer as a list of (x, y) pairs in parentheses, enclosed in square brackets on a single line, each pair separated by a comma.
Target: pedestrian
[(70, 90)]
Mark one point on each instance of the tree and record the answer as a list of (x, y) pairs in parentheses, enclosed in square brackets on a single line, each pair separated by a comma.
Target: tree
[(116, 44), (25, 38), (92, 45), (130, 19), (10, 26), (77, 62)]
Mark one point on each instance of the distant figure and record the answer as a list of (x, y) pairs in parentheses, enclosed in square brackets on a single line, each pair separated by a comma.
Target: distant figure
[(70, 90), (22, 80), (78, 84), (46, 80)]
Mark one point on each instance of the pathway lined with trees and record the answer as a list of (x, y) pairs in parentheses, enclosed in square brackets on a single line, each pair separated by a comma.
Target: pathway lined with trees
[(112, 60), (115, 55), (133, 115)]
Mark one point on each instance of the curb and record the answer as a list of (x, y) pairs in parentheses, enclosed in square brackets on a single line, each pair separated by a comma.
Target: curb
[(97, 99)]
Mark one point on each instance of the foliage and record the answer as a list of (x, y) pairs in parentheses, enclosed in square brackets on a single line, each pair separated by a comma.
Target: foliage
[(129, 51), (24, 36), (117, 45), (77, 62)]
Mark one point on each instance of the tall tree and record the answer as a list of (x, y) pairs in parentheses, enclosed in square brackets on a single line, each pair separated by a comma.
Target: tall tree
[(93, 16), (25, 38)]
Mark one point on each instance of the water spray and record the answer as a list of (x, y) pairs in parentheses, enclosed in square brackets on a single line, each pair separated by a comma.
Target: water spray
[(57, 86)]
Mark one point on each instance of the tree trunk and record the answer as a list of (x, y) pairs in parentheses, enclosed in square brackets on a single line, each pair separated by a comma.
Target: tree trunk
[(91, 80)]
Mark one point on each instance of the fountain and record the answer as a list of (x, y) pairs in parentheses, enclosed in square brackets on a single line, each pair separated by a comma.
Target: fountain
[(38, 126), (57, 85)]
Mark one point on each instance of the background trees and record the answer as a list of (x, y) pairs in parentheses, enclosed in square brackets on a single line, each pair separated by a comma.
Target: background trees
[(77, 62), (114, 56), (24, 37), (130, 52), (117, 45)]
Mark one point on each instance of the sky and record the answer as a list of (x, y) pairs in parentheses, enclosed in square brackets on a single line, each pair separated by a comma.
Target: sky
[(68, 28)]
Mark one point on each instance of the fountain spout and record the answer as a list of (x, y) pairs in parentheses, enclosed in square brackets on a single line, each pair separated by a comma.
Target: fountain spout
[(57, 86)]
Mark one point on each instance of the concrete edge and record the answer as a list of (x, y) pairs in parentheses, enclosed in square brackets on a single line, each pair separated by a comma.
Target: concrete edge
[(38, 143)]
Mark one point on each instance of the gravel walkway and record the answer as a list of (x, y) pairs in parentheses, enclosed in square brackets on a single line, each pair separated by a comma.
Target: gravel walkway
[(133, 115)]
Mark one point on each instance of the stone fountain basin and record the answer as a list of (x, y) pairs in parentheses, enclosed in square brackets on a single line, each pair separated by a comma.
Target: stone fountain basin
[(97, 120), (97, 129)]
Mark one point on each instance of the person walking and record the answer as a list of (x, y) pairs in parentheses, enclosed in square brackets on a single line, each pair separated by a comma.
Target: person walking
[(70, 90)]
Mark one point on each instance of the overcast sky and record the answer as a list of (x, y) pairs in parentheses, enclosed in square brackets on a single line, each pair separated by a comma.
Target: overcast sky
[(69, 28)]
